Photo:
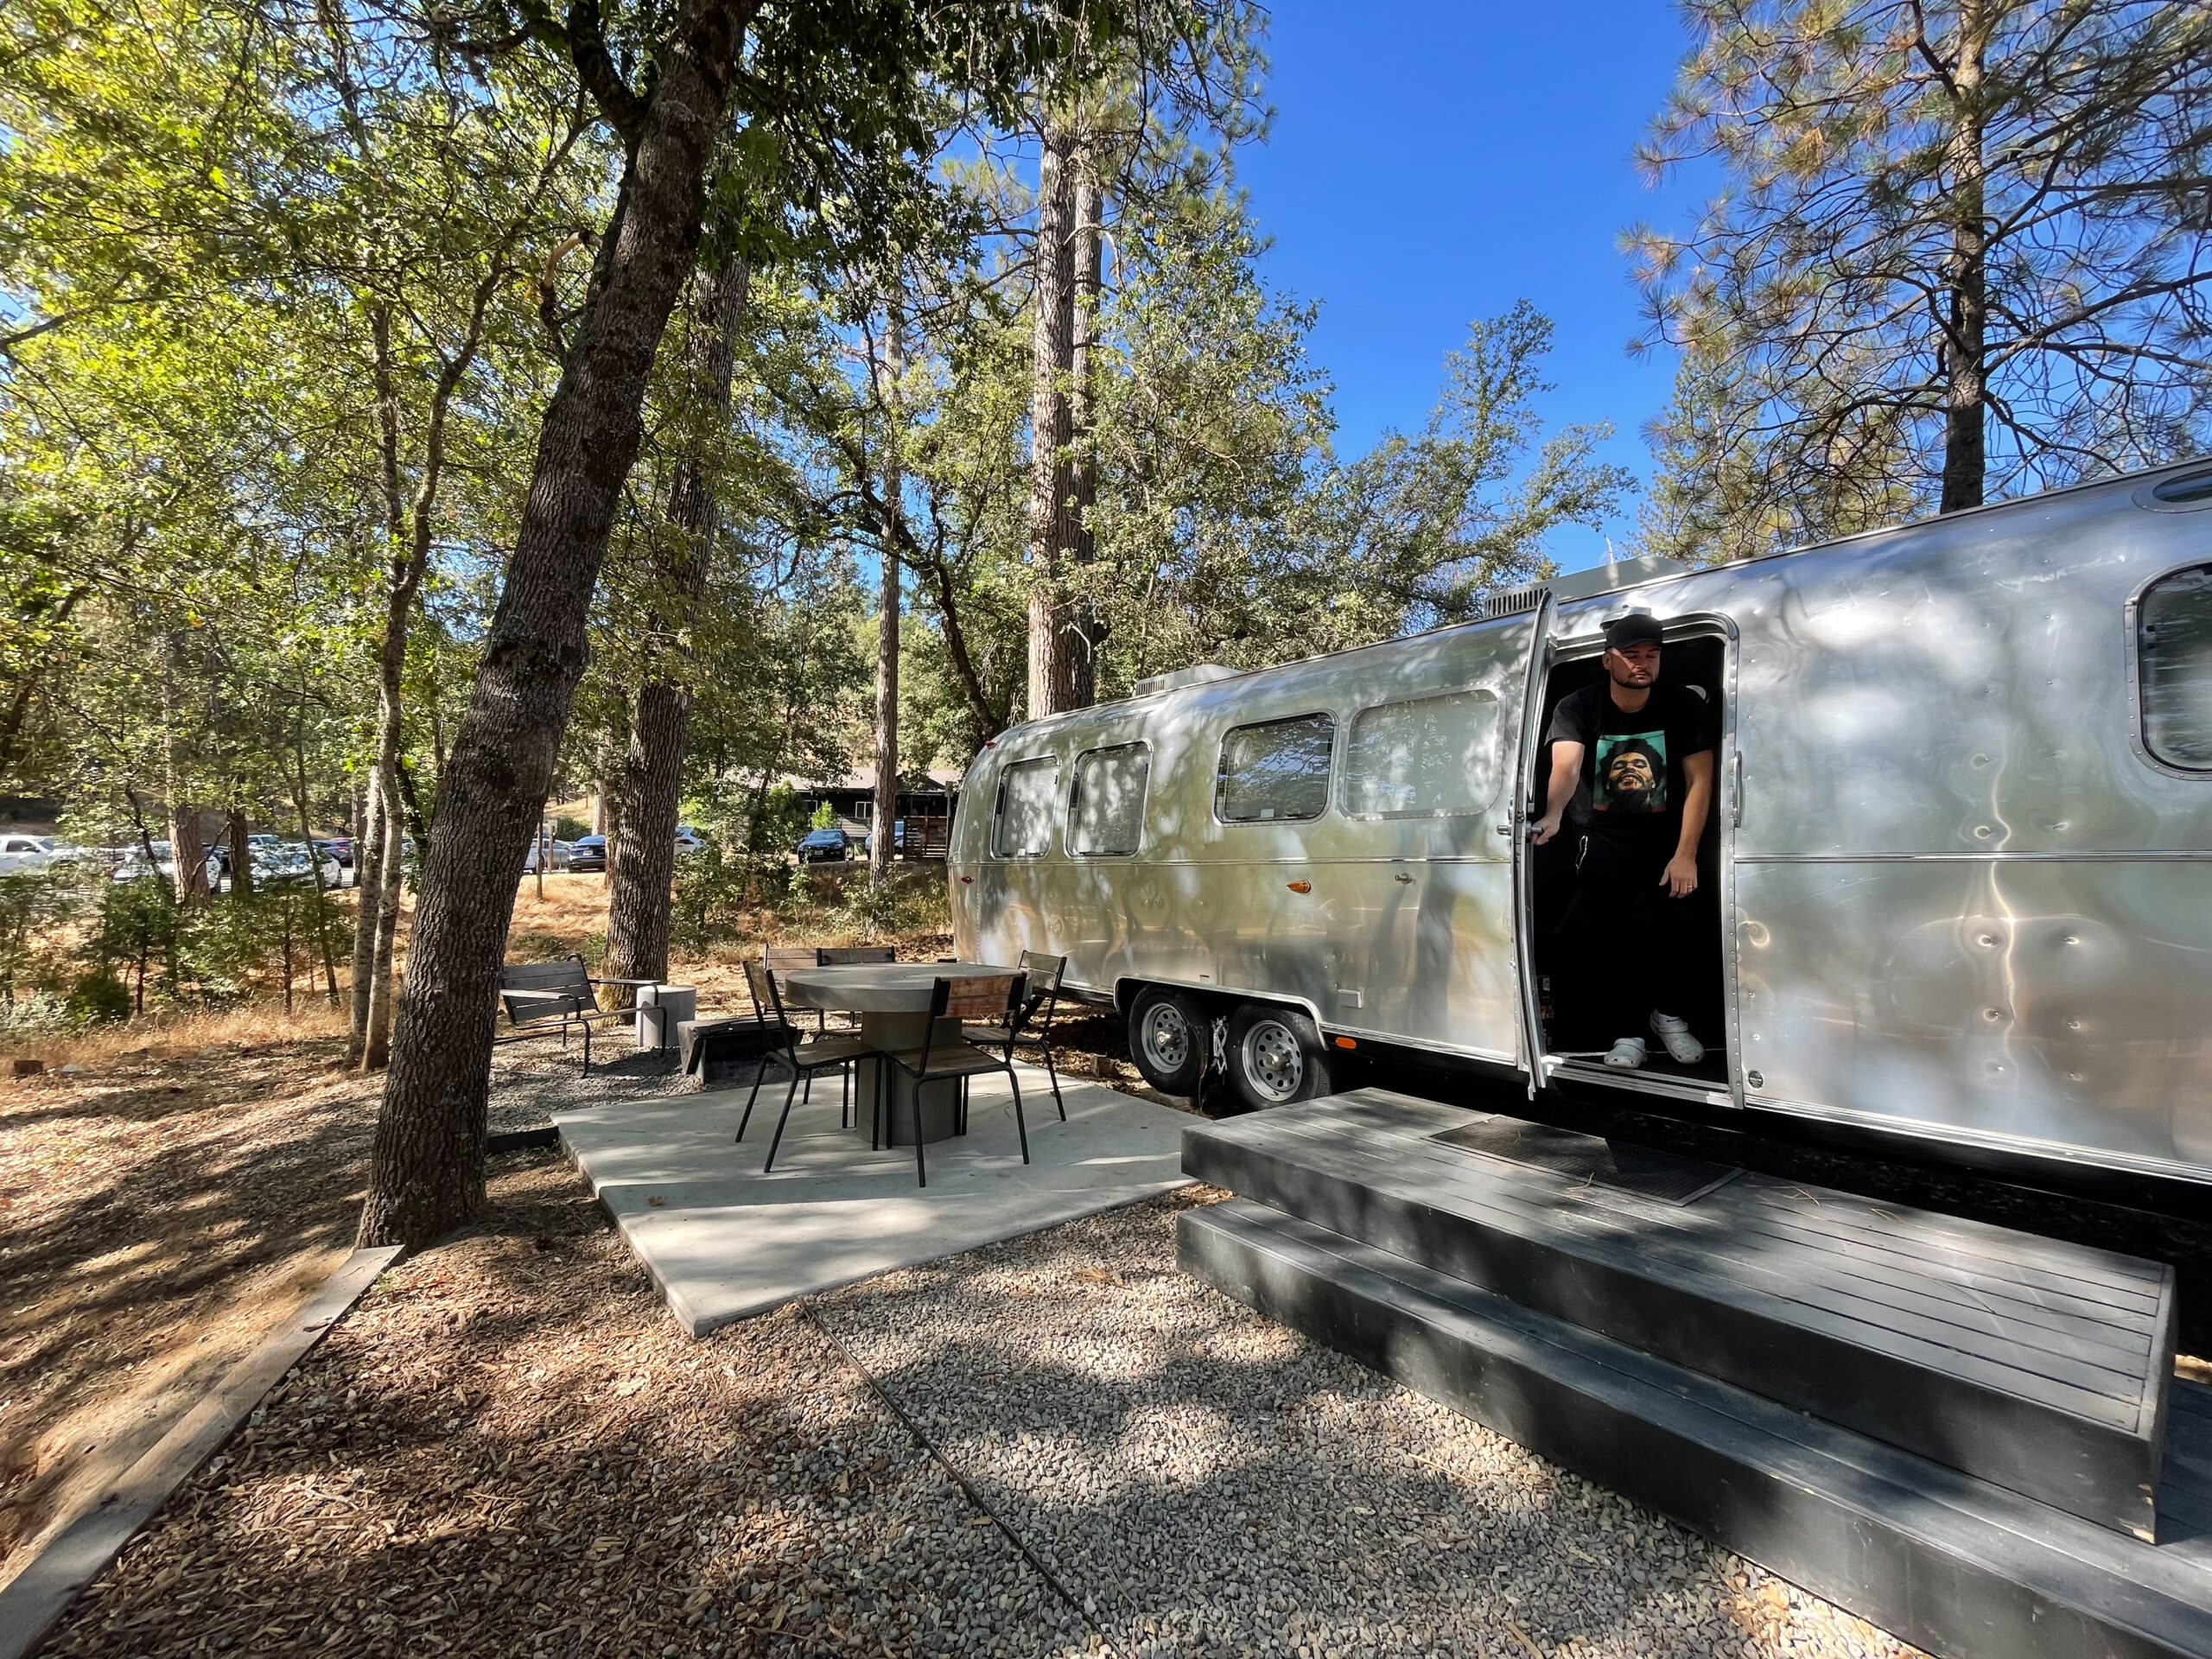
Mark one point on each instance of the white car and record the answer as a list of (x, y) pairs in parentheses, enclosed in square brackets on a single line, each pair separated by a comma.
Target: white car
[(24, 852), (559, 855), (689, 840)]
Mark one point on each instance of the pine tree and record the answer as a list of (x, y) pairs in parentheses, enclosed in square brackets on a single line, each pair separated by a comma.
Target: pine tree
[(1962, 250)]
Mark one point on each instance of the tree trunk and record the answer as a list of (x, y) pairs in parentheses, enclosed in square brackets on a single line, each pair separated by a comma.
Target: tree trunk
[(1966, 461), (307, 835), (884, 847), (376, 1052), (189, 855), (642, 862), (1050, 485), (1083, 625), (426, 1171), (239, 849), (368, 896)]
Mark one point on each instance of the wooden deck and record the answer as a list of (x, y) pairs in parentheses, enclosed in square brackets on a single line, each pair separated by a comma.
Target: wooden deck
[(1959, 1566), (2038, 1366)]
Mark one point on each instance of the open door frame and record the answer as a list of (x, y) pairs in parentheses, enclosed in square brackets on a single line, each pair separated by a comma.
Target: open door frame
[(1727, 810)]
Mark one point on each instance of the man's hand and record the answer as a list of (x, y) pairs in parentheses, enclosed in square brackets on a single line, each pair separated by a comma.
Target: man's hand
[(1545, 829), (1680, 877)]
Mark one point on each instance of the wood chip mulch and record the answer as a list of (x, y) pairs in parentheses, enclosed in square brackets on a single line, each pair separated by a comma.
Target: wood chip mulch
[(156, 1213), (509, 1447)]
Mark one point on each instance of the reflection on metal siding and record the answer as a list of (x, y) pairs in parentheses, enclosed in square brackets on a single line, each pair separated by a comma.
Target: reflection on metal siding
[(1972, 895), (2062, 1002), (1411, 914)]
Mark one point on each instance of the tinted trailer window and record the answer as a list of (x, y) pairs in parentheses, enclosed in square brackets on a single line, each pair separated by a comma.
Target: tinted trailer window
[(2173, 646), (1029, 802), (1107, 819), (1275, 771), (1424, 758)]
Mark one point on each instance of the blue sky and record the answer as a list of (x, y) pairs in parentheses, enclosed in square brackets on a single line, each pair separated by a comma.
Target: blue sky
[(1432, 162)]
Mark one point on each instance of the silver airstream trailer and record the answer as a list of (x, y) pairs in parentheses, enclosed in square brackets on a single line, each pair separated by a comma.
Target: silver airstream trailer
[(1959, 873)]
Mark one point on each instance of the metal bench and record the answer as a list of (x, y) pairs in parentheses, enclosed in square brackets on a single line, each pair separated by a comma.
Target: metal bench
[(545, 998)]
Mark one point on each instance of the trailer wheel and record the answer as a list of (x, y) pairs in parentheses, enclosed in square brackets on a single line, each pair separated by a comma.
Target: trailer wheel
[(1168, 1039), (1276, 1056)]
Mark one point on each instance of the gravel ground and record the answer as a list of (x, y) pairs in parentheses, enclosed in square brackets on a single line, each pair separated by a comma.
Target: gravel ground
[(531, 1081), (1212, 1484), (508, 1449)]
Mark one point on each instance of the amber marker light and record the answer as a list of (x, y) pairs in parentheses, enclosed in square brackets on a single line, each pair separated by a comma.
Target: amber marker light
[(1301, 887), (1346, 1042)]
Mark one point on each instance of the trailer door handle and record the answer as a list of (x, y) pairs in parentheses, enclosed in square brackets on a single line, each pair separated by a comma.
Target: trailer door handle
[(1736, 790)]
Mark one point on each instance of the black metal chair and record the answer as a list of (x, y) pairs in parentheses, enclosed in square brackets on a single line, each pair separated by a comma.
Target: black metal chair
[(782, 958), (940, 1058), (804, 1057), (1043, 973)]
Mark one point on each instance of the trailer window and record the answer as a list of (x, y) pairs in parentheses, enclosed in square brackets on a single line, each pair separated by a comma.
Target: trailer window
[(1106, 818), (2173, 648), (1029, 800), (1424, 758), (1276, 770)]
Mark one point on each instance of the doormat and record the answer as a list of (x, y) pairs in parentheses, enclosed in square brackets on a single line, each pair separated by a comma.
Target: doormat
[(1622, 1165)]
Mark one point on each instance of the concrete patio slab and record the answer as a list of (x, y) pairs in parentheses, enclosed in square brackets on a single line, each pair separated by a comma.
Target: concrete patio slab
[(723, 1241)]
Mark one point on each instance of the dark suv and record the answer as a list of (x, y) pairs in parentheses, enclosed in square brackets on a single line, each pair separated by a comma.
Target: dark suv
[(588, 854)]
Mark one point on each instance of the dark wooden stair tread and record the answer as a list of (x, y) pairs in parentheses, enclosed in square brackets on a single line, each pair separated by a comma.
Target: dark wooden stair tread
[(2036, 1363)]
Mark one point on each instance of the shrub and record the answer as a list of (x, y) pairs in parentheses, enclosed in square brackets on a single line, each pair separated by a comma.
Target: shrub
[(98, 998)]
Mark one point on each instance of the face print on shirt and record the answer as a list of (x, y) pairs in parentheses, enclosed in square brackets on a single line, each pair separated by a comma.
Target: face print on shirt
[(1631, 773)]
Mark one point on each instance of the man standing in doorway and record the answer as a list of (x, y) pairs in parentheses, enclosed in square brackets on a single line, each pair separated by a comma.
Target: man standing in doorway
[(1632, 775)]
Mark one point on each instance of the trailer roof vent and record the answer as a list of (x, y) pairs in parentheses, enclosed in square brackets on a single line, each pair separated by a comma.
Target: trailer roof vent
[(1517, 603), (1196, 674)]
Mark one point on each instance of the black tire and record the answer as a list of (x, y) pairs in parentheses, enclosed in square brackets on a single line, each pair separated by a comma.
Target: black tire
[(1169, 1036), (1275, 1056)]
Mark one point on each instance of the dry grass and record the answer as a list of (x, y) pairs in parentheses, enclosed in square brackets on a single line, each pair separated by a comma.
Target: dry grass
[(170, 1033)]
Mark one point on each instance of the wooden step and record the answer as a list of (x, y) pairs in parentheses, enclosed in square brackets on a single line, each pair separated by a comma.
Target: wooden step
[(1959, 1566), (2039, 1365)]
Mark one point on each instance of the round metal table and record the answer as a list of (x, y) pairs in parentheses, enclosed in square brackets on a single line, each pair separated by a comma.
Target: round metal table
[(893, 999)]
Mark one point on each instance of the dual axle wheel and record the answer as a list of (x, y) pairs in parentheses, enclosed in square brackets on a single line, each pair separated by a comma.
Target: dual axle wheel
[(1274, 1055)]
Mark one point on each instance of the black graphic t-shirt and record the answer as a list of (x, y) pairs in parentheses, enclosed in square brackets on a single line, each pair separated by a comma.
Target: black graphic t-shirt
[(1632, 783)]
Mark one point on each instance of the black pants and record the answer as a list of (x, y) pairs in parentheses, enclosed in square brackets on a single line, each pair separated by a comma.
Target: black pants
[(1628, 936)]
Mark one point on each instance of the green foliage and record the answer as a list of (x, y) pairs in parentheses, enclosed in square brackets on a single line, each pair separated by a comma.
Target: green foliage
[(38, 909), (568, 828), (96, 998), (1943, 227), (825, 817), (722, 897)]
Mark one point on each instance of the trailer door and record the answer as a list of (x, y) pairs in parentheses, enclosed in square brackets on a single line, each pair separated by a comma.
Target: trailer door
[(1419, 944), (1521, 814)]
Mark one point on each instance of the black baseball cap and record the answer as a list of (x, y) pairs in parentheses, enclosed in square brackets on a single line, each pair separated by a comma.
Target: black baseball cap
[(1633, 629)]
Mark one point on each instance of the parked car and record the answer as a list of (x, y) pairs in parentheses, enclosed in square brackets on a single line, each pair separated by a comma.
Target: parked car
[(822, 847), (559, 855), (339, 849), (288, 861), (905, 838), (22, 852), (689, 840), (588, 853), (132, 863)]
